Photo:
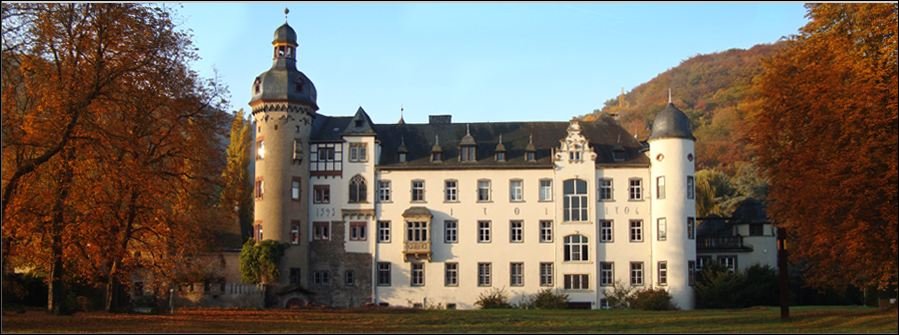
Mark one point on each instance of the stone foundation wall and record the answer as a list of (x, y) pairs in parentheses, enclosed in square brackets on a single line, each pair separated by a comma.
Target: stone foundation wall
[(331, 256)]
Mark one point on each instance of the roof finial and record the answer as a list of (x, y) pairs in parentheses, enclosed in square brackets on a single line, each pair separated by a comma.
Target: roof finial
[(530, 138), (669, 95), (436, 139), (500, 138), (286, 11), (402, 121), (468, 129)]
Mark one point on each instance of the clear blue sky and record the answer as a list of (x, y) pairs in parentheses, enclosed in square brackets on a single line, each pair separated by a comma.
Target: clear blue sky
[(477, 61)]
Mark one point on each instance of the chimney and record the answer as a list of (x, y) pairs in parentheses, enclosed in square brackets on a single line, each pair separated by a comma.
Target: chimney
[(440, 119)]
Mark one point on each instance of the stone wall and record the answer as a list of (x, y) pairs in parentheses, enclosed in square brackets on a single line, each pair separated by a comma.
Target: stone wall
[(331, 256)]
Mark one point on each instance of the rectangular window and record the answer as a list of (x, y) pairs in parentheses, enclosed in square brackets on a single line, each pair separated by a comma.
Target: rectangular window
[(260, 187), (383, 273), (546, 231), (321, 278), (484, 274), (321, 194), (384, 191), (295, 188), (483, 231), (516, 274), (321, 230), (450, 231), (516, 231), (349, 278), (606, 234), (574, 203), (416, 231), (358, 152), (691, 228), (729, 262), (325, 157), (606, 273), (636, 230), (546, 190), (605, 189), (483, 190), (702, 261), (691, 272), (418, 190), (546, 274), (663, 273), (257, 230), (660, 187), (294, 276), (451, 274), (755, 229), (418, 274), (357, 231), (577, 282), (451, 190), (530, 156), (260, 148), (636, 189), (662, 224), (636, 273), (691, 190), (516, 190), (384, 231), (294, 232)]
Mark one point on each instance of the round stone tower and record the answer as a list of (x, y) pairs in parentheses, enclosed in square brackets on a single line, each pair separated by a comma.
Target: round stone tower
[(283, 104), (673, 202)]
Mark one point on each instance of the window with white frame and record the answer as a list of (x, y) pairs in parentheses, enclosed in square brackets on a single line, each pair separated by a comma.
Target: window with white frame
[(294, 232), (450, 190), (691, 228), (321, 231), (577, 282), (260, 187), (663, 273), (516, 190), (636, 230), (384, 191), (418, 191), (691, 272), (516, 274), (484, 274), (662, 224), (546, 274), (576, 248), (383, 273), (691, 190), (451, 274), (606, 273), (605, 189), (483, 231), (606, 232), (358, 152), (258, 230), (546, 190), (325, 157), (516, 231), (295, 188), (357, 231), (450, 231), (260, 148), (729, 262), (384, 231), (575, 201), (660, 187), (636, 273), (484, 190), (416, 231), (546, 231), (635, 189), (418, 274), (321, 194)]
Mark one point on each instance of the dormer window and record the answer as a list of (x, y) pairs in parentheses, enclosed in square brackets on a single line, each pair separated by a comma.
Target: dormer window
[(436, 156), (257, 86), (501, 156), (530, 156), (468, 153), (402, 157), (618, 154), (575, 154)]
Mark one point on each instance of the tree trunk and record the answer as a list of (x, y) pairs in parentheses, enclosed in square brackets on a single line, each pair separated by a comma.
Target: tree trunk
[(112, 289), (56, 295)]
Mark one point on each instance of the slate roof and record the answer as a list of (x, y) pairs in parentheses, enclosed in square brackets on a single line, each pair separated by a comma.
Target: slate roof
[(671, 123), (604, 135)]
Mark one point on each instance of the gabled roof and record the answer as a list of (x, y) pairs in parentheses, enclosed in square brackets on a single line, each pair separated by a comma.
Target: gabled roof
[(360, 124)]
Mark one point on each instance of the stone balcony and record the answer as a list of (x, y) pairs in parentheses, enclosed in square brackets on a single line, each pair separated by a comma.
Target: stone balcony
[(417, 250)]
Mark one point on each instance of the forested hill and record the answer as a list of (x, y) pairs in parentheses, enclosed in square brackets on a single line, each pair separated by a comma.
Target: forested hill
[(713, 90)]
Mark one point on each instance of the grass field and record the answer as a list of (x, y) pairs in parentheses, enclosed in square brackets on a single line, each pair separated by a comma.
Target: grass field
[(817, 319)]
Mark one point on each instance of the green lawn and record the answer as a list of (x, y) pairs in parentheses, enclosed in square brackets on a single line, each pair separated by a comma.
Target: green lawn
[(817, 319)]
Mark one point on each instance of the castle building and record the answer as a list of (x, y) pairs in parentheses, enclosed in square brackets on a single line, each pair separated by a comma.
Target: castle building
[(435, 214)]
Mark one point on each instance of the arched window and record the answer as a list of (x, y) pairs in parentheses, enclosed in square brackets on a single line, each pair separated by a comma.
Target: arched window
[(357, 189), (575, 200), (576, 248)]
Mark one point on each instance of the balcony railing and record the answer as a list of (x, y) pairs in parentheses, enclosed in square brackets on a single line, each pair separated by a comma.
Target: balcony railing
[(417, 249), (722, 243)]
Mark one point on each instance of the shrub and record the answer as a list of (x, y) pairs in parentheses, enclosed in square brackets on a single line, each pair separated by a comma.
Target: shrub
[(549, 299), (716, 287), (652, 300), (619, 296), (259, 261), (494, 298)]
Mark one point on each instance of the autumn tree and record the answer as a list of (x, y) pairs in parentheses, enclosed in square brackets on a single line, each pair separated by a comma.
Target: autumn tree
[(110, 149), (826, 136), (237, 184)]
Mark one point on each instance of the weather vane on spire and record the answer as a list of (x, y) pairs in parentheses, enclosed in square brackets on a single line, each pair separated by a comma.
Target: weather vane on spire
[(286, 11)]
